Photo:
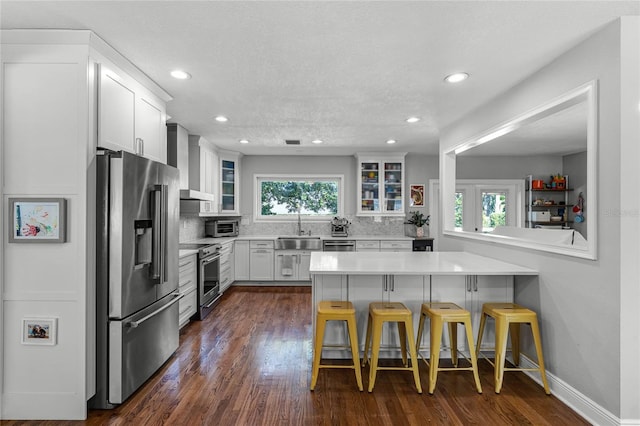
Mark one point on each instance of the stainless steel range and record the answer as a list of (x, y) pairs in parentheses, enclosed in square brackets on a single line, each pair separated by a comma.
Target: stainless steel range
[(208, 276)]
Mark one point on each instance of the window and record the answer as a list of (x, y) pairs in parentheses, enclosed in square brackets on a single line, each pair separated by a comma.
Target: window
[(283, 197), (483, 205)]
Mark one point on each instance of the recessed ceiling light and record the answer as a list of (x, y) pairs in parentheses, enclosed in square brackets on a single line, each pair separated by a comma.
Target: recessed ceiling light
[(413, 119), (221, 119), (391, 141), (244, 141), (316, 141), (457, 77), (180, 75)]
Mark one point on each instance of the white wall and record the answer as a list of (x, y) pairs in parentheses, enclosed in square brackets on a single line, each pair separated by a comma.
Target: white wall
[(46, 149), (579, 301), (419, 169)]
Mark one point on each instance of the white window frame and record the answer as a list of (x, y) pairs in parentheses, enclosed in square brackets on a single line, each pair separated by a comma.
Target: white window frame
[(257, 211), (472, 190)]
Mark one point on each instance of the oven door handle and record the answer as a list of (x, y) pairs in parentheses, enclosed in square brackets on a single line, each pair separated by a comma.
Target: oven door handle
[(208, 260)]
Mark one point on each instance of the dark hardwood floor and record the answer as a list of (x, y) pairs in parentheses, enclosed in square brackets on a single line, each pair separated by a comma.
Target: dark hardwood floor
[(249, 363)]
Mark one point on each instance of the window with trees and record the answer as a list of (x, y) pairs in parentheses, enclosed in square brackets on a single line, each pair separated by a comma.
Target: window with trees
[(287, 196)]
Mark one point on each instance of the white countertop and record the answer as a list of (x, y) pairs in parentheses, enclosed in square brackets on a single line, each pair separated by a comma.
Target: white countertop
[(209, 240), (411, 263)]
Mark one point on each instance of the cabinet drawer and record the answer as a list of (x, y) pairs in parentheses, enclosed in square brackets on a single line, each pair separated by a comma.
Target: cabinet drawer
[(396, 246), (225, 282), (225, 262), (187, 306), (187, 263), (261, 244), (367, 245)]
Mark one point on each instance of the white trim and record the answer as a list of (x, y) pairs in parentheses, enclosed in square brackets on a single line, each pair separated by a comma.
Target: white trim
[(586, 92), (258, 217), (578, 402)]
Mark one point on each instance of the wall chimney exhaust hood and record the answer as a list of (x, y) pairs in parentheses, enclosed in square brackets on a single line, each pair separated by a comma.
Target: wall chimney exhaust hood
[(192, 194), (178, 156)]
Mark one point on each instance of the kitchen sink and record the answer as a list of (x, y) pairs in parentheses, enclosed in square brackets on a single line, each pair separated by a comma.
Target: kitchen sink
[(298, 243)]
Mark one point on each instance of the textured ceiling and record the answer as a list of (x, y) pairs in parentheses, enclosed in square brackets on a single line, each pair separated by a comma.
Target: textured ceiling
[(348, 73)]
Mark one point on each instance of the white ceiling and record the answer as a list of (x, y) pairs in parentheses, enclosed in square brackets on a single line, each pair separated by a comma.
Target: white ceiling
[(348, 73)]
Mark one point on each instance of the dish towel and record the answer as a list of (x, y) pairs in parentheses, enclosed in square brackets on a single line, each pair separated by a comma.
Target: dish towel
[(287, 265)]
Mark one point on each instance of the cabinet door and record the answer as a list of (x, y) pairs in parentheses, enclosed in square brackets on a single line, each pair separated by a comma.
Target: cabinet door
[(304, 261), (447, 289), (484, 289), (361, 290), (261, 265), (393, 183), (286, 265), (229, 185), (242, 259), (367, 245), (150, 128), (116, 112), (369, 179), (209, 163), (395, 246), (409, 290)]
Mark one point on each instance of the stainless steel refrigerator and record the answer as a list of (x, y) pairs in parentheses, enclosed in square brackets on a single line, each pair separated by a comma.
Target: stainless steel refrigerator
[(137, 272)]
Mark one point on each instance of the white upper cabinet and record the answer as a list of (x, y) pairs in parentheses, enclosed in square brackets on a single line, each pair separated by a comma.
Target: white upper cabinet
[(129, 117), (381, 184), (229, 182)]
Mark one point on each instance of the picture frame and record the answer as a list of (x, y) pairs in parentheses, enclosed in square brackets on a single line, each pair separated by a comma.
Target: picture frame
[(37, 220), (39, 331), (416, 197)]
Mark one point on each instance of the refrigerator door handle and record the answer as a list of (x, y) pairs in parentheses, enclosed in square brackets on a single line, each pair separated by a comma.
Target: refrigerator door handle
[(159, 232), (134, 324)]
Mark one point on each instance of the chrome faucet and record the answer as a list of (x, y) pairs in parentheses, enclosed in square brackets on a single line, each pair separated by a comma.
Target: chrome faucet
[(300, 232)]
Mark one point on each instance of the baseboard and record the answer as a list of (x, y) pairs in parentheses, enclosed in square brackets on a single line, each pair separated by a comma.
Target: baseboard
[(578, 402), (272, 283)]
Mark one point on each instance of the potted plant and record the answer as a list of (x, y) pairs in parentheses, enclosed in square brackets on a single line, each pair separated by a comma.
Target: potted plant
[(418, 219)]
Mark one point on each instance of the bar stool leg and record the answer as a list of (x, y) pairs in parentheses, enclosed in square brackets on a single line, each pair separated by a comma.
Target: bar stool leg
[(373, 367), (367, 342), (434, 358), (472, 355), (317, 353), (420, 331), (414, 355), (355, 353), (453, 340), (502, 327), (483, 319), (514, 331), (402, 335), (538, 342)]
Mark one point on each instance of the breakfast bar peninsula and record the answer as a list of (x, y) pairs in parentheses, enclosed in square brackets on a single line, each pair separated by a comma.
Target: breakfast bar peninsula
[(413, 278)]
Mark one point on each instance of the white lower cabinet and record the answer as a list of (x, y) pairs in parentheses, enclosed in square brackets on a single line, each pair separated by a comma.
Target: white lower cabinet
[(469, 292), (400, 245), (242, 259), (187, 286), (227, 265), (261, 260), (292, 265), (367, 245)]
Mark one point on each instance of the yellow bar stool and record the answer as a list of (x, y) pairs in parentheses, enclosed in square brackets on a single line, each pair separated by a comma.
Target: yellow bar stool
[(379, 313), (335, 311), (508, 317), (439, 313)]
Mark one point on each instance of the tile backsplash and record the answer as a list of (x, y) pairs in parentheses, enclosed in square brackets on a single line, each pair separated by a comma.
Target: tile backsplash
[(192, 227)]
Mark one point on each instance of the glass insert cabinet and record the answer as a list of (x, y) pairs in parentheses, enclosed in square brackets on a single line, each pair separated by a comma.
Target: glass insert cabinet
[(229, 185), (380, 184)]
